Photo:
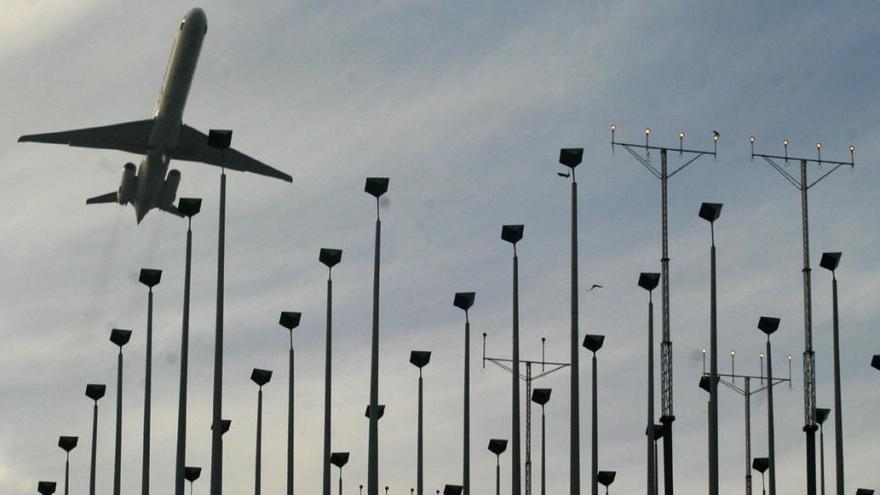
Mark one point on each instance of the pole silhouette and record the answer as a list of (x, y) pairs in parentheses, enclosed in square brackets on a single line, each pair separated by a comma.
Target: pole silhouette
[(339, 459), (829, 262), (191, 474), (710, 212), (94, 392), (260, 377), (329, 257), (593, 343), (497, 447), (420, 359), (541, 396), (649, 282), (67, 444), (290, 320), (464, 301), (512, 234), (120, 338), (150, 278), (769, 325)]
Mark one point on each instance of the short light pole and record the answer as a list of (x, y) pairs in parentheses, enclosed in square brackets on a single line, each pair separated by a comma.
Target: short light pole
[(606, 478), (95, 392), (464, 301), (710, 212), (67, 444), (513, 234), (497, 446), (188, 207), (330, 258), (290, 320), (46, 487), (376, 187), (593, 343), (191, 474), (260, 377), (120, 338), (821, 416), (339, 459), (829, 262), (760, 464), (649, 282), (541, 396), (768, 325), (420, 359), (149, 277)]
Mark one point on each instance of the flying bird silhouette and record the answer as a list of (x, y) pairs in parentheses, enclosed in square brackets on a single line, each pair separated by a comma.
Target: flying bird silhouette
[(595, 286), (563, 174)]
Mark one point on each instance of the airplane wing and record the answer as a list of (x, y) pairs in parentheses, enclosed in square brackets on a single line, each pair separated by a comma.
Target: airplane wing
[(111, 197), (127, 136), (192, 145)]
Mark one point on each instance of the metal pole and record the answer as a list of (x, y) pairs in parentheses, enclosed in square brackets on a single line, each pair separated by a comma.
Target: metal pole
[(466, 443), (290, 410), (713, 374), (838, 410), (340, 481), (117, 461), (258, 463), (328, 357), (420, 467), (595, 435), (748, 396), (574, 418), (809, 364), (94, 449), (497, 474), (528, 429), (515, 484), (179, 471), (145, 469), (66, 472), (771, 436), (373, 468), (216, 416), (652, 488), (822, 459), (667, 416), (543, 454)]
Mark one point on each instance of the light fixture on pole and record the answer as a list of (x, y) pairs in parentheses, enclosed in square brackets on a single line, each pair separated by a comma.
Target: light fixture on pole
[(803, 185), (760, 464), (541, 396), (605, 478), (289, 320), (339, 459), (330, 258), (67, 444), (710, 212), (149, 277), (464, 301), (829, 262), (188, 207), (821, 415), (452, 490), (768, 325), (46, 487), (95, 392), (380, 411), (191, 474), (260, 377), (420, 359), (571, 158), (649, 282), (593, 343), (875, 362), (864, 491), (497, 446), (376, 187), (513, 234), (120, 338)]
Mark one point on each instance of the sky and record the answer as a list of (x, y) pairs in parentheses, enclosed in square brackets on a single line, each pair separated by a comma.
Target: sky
[(464, 106)]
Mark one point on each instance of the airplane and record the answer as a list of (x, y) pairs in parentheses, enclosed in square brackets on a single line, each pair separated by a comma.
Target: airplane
[(163, 137)]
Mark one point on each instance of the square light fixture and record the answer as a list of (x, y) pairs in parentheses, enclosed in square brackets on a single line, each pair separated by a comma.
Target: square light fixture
[(649, 281), (541, 396), (339, 459), (261, 376), (376, 186), (464, 300), (95, 391), (119, 336), (219, 138), (189, 207), (830, 261), (768, 324), (497, 446), (330, 257), (512, 233), (593, 342), (192, 473), (150, 277), (710, 211), (289, 319), (571, 157), (419, 358)]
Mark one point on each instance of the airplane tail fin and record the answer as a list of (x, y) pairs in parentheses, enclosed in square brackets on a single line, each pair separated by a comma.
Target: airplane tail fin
[(110, 197)]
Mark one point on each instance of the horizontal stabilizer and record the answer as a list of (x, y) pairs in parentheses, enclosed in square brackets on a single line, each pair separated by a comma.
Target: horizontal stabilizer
[(192, 145), (127, 136), (104, 198)]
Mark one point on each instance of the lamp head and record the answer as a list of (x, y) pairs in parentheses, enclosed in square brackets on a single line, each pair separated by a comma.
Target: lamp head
[(224, 425), (649, 281), (95, 391), (512, 233), (541, 396), (192, 473), (376, 186), (464, 300), (822, 414), (768, 325), (658, 431), (571, 157), (497, 446), (419, 358), (189, 207), (864, 491), (119, 336), (875, 362), (705, 382), (606, 477), (380, 411), (46, 487), (219, 138), (67, 443), (260, 376), (289, 319), (593, 342), (830, 261), (339, 459), (760, 464), (150, 277), (710, 211), (330, 257), (452, 489)]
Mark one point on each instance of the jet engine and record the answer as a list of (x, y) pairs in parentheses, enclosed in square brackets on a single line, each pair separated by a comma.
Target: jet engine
[(128, 184), (169, 190)]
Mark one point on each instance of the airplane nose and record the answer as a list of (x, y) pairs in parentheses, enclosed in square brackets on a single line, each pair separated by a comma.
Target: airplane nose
[(197, 19)]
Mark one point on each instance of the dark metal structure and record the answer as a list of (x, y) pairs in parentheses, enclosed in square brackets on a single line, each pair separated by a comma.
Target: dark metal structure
[(339, 459), (649, 282), (513, 234), (330, 258), (95, 392), (497, 446), (452, 490), (593, 343), (191, 474), (821, 415), (260, 377), (46, 487), (768, 325), (67, 444), (464, 301), (710, 212), (120, 338), (541, 396), (290, 320), (760, 464), (606, 478), (149, 277), (420, 359), (829, 262)]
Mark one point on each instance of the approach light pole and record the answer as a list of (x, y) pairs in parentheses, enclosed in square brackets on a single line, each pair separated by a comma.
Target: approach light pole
[(513, 234), (339, 459), (829, 262), (497, 446), (188, 207), (260, 377), (768, 325), (120, 338), (710, 212), (376, 187), (606, 478), (821, 415), (191, 474), (541, 396), (150, 278), (420, 359), (67, 444), (593, 343), (760, 464), (464, 301), (330, 258), (688, 156), (803, 185), (290, 320), (95, 392), (571, 158), (649, 282)]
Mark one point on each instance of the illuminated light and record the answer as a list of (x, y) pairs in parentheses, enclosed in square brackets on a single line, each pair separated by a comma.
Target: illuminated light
[(785, 142), (752, 139), (681, 135), (732, 353), (613, 127), (647, 130), (818, 146), (852, 148)]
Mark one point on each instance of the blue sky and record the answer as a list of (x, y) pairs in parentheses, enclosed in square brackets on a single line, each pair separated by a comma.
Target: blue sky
[(464, 106)]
